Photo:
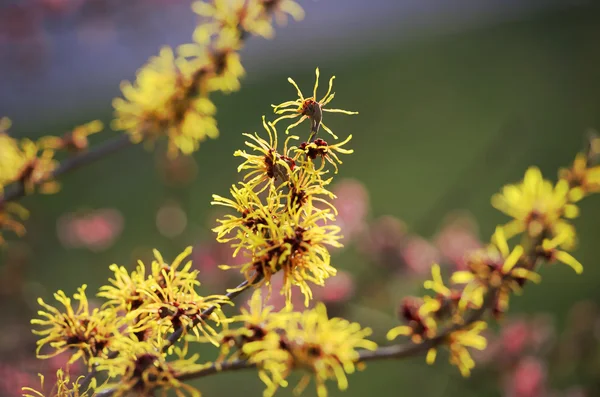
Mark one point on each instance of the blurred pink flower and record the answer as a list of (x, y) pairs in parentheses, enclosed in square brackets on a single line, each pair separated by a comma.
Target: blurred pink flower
[(383, 241), (95, 230), (419, 254), (337, 289), (457, 236), (352, 203), (514, 338), (528, 379)]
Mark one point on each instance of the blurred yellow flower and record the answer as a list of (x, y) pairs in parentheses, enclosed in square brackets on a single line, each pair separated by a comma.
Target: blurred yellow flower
[(278, 342), (63, 387), (23, 162), (75, 140), (497, 268), (11, 215), (164, 101), (536, 205), (458, 342), (582, 178), (141, 369)]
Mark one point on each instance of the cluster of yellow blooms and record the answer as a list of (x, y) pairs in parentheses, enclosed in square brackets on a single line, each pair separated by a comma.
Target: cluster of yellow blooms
[(541, 212), (32, 164), (170, 96), (278, 342), (283, 209)]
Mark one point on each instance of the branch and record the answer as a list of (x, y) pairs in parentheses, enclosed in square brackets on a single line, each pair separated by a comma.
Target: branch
[(17, 190), (232, 294)]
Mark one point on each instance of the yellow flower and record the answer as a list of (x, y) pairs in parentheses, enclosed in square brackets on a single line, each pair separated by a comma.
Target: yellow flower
[(582, 178), (141, 368), (63, 387), (164, 101), (269, 164), (308, 108), (251, 219), (278, 342), (167, 309), (320, 148), (420, 325), (10, 214), (295, 244), (258, 340), (12, 161), (326, 347), (458, 342), (280, 9), (75, 140), (536, 205), (232, 17), (493, 268), (88, 333), (23, 162), (551, 253), (446, 300), (221, 64), (124, 292), (307, 187)]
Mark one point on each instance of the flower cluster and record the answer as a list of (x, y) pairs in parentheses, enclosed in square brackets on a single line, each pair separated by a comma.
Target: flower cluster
[(278, 342), (542, 213), (140, 309), (63, 387), (170, 96), (26, 162), (32, 165), (285, 218)]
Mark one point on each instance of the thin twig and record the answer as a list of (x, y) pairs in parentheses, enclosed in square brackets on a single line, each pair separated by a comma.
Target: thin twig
[(17, 190)]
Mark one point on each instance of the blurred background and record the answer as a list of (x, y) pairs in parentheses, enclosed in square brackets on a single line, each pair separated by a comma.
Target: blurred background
[(456, 99)]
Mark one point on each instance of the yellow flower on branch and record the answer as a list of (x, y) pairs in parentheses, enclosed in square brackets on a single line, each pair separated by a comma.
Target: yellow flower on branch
[(458, 342), (63, 387), (75, 140), (88, 333), (582, 178), (23, 162), (278, 342), (295, 244), (326, 347), (124, 291), (446, 300), (280, 9), (420, 325), (220, 64), (537, 206), (320, 148), (494, 268), (551, 253), (308, 108), (270, 164), (168, 309), (11, 215), (164, 100), (141, 369)]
